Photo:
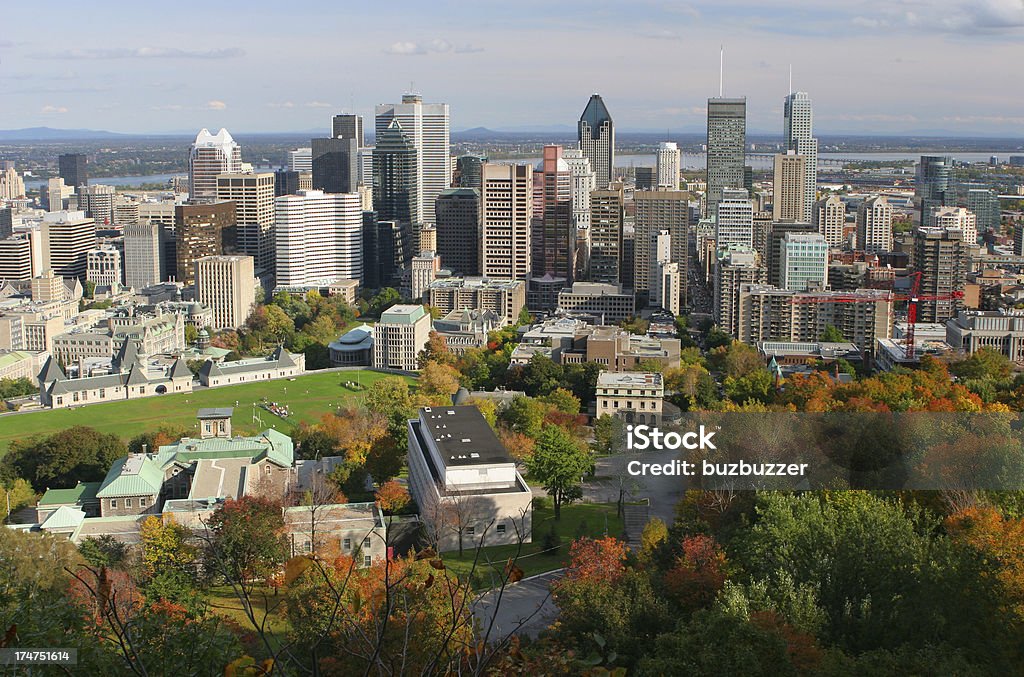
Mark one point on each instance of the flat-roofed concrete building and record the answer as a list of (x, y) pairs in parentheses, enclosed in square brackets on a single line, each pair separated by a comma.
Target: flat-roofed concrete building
[(253, 195), (506, 298), (399, 336), (633, 396), (609, 301), (202, 229), (507, 204), (999, 330), (458, 230), (789, 187), (143, 255), (67, 238), (226, 285), (464, 481)]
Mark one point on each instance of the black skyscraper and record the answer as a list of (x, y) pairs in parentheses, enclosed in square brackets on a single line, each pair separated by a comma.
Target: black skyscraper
[(457, 211), (72, 169), (348, 126), (6, 222), (394, 176), (335, 165), (387, 249), (286, 182)]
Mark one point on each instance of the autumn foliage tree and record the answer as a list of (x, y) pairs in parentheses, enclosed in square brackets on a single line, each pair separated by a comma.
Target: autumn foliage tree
[(985, 529), (393, 497), (698, 574), (247, 539)]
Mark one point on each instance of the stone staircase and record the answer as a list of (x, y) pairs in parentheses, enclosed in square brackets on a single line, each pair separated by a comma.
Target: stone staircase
[(634, 519)]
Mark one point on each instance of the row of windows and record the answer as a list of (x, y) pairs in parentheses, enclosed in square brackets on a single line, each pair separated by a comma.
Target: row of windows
[(143, 502)]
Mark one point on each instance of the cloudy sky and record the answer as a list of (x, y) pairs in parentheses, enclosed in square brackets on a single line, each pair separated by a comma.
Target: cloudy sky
[(872, 66)]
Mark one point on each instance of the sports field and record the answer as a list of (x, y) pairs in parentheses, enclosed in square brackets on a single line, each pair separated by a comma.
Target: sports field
[(307, 397)]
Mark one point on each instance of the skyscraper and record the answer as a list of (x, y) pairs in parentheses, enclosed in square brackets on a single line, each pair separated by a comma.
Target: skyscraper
[(607, 217), (300, 160), (253, 195), (960, 219), (656, 211), (348, 126), (596, 135), (797, 132), (211, 154), (726, 142), (940, 258), (554, 242), (933, 186), (72, 168), (468, 169), (668, 165), (335, 165), (6, 222), (804, 261), (506, 204), (427, 126), (12, 186), (874, 225), (583, 182), (143, 254), (790, 188), (458, 230), (735, 223), (67, 238), (97, 202), (395, 176), (830, 219), (226, 284), (319, 238), (203, 229), (985, 203)]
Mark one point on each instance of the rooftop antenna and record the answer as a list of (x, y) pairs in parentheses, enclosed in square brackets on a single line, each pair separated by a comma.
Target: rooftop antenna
[(721, 71), (790, 79)]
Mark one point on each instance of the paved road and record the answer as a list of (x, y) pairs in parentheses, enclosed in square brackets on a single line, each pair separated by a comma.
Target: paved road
[(663, 492), (525, 608)]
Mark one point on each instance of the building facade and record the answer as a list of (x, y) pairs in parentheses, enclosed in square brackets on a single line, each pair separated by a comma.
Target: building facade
[(319, 238), (211, 154), (399, 336), (507, 203), (226, 284)]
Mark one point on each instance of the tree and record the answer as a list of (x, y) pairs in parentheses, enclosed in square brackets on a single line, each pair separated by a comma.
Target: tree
[(984, 363), (990, 533), (655, 533), (17, 387), (436, 350), (103, 551), (15, 496), (717, 338), (393, 497), (438, 382), (523, 415), (63, 459), (562, 400), (247, 538), (559, 463), (191, 334), (698, 574), (832, 334)]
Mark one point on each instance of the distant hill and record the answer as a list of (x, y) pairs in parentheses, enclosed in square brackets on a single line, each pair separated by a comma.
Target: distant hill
[(51, 134)]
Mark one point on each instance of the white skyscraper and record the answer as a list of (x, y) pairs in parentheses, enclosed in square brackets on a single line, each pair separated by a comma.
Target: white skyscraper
[(668, 165), (427, 125), (584, 182), (735, 223), (797, 130), (804, 261), (318, 238), (300, 160), (142, 254), (211, 155), (874, 225), (830, 219), (957, 218)]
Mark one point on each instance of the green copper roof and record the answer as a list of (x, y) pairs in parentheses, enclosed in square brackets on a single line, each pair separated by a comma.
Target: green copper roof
[(402, 315), (132, 476), (269, 444), (83, 491), (63, 517)]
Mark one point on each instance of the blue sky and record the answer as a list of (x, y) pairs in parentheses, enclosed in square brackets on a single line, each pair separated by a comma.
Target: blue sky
[(871, 66)]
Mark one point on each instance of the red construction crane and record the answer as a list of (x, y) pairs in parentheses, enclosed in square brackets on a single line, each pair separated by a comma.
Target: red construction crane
[(912, 299)]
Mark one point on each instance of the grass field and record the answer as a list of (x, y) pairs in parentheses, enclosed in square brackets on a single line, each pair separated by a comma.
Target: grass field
[(591, 519), (224, 602), (308, 397)]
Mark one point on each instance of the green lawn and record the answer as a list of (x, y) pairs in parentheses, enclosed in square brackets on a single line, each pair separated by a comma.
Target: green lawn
[(224, 602), (308, 397), (592, 519)]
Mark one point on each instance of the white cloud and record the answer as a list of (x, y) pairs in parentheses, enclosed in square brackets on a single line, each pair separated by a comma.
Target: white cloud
[(50, 108), (436, 46), (319, 104), (142, 53), (216, 105), (405, 48)]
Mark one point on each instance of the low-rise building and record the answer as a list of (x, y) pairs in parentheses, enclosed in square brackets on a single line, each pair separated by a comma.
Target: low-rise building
[(999, 330), (279, 364), (634, 396), (618, 350), (506, 298), (399, 337), (353, 349), (609, 301), (464, 329), (464, 481)]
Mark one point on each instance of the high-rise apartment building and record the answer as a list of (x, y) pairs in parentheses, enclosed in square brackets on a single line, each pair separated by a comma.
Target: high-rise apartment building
[(735, 266), (348, 126), (396, 176), (204, 229), (457, 213), (226, 284), (874, 225), (668, 160), (933, 186), (656, 211), (735, 220), (423, 271), (319, 238), (790, 187), (940, 257), (596, 135), (72, 167), (830, 219), (253, 195), (798, 137), (211, 154), (506, 208), (607, 218), (726, 148), (957, 218), (335, 165), (804, 261), (666, 277), (772, 259), (427, 126), (554, 241), (984, 202), (67, 238), (143, 254)]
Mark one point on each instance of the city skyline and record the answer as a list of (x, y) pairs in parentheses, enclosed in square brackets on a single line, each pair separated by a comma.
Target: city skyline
[(136, 83)]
